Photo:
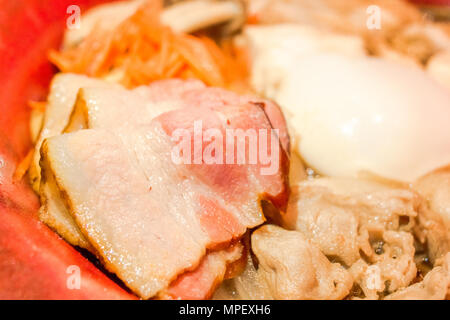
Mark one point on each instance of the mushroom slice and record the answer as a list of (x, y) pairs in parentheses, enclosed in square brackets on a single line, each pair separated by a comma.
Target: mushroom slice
[(194, 15), (106, 17), (182, 16)]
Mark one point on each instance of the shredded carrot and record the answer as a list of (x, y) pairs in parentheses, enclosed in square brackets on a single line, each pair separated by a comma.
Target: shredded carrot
[(37, 105), (253, 19), (145, 50), (23, 166)]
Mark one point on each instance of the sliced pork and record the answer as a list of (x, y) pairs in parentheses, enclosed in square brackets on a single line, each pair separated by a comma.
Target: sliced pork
[(381, 238), (63, 93), (435, 187), (289, 266), (138, 236), (148, 218), (112, 108), (79, 102), (340, 214), (54, 212), (435, 285), (116, 108), (294, 268), (380, 231)]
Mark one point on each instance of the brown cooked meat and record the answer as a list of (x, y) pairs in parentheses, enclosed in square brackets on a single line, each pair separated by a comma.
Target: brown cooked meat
[(381, 239), (288, 267), (371, 227)]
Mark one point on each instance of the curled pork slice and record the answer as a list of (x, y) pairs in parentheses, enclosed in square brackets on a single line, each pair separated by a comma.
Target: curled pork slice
[(343, 215), (435, 285), (291, 267), (370, 226), (435, 187), (148, 218), (434, 226)]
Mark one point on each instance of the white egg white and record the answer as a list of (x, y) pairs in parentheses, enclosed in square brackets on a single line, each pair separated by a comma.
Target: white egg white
[(351, 113)]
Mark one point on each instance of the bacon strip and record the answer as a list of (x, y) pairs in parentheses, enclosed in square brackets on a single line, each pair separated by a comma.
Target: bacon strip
[(152, 220)]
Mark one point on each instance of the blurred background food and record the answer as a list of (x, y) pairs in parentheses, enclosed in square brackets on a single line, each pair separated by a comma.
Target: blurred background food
[(357, 96)]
